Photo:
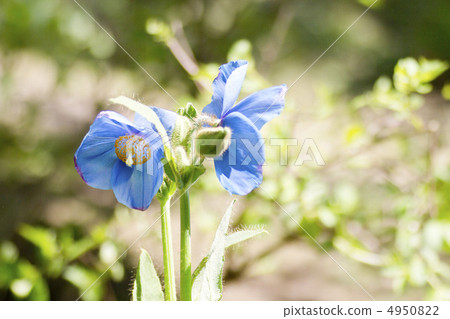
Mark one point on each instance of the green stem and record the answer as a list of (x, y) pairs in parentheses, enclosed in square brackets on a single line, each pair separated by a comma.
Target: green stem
[(169, 269), (185, 247)]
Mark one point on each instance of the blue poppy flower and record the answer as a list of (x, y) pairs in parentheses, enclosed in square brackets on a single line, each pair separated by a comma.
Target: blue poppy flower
[(123, 156), (239, 168)]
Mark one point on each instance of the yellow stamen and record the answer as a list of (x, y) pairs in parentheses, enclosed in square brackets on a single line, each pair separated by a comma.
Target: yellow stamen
[(132, 150)]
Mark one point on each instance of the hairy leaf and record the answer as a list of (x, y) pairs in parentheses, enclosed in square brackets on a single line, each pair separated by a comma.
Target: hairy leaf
[(242, 235), (147, 286), (207, 281)]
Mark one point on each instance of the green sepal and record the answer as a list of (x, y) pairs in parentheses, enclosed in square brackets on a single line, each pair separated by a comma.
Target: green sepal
[(189, 111), (169, 171), (191, 174), (212, 141), (167, 189)]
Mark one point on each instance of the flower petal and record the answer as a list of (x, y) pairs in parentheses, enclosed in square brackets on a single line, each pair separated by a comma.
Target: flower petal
[(136, 186), (226, 87), (95, 158), (262, 106), (109, 123), (167, 118), (239, 169)]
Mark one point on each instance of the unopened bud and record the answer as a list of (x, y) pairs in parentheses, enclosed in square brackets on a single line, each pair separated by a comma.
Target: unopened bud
[(182, 132), (181, 158), (212, 141), (208, 120)]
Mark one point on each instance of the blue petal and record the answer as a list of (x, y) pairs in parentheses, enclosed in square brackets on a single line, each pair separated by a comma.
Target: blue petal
[(262, 106), (96, 156), (239, 169), (109, 124), (167, 118), (136, 186), (226, 88)]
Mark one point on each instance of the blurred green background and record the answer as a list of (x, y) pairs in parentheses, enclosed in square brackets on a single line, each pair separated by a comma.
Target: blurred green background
[(380, 206)]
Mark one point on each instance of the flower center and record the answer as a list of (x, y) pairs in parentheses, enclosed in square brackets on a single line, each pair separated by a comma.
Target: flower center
[(132, 150)]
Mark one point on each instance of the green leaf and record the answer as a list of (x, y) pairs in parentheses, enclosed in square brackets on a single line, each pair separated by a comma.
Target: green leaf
[(189, 111), (192, 173), (446, 91), (241, 50), (411, 75), (431, 69), (242, 235), (159, 29), (147, 286), (167, 189), (169, 171), (146, 112), (78, 248), (31, 274), (418, 272), (21, 287), (207, 281), (89, 282), (40, 291)]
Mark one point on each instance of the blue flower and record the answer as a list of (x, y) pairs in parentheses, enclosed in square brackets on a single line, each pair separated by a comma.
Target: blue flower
[(167, 119), (123, 156), (239, 169)]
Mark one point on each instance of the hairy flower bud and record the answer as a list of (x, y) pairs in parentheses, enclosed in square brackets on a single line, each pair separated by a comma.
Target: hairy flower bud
[(206, 119), (212, 141), (182, 132), (181, 158)]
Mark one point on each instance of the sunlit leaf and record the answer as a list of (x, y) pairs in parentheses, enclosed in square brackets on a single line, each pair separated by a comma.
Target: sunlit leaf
[(159, 29), (40, 291), (147, 286), (431, 69), (8, 251), (411, 75), (88, 282), (446, 91), (241, 50), (242, 235), (207, 278), (418, 272), (44, 239), (354, 133), (21, 287), (27, 271), (354, 250)]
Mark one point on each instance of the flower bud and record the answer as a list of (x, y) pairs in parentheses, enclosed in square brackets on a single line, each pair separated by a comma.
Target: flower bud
[(212, 141), (181, 158), (208, 120), (182, 132)]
